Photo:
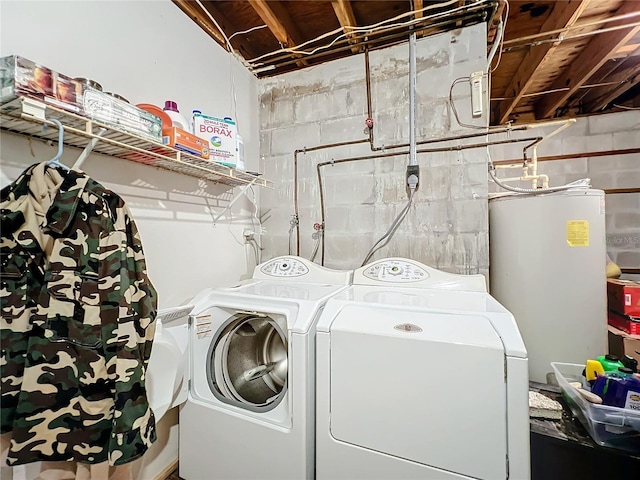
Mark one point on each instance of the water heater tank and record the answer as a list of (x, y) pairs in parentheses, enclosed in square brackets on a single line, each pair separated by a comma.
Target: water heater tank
[(548, 259)]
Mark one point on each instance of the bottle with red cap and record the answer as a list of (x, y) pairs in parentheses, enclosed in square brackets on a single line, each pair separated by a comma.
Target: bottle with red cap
[(171, 109)]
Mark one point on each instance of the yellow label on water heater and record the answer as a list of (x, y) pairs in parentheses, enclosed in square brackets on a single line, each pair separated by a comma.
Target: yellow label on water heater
[(578, 233)]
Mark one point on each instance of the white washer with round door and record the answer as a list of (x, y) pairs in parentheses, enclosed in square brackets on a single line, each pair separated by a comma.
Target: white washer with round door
[(420, 374), (250, 408)]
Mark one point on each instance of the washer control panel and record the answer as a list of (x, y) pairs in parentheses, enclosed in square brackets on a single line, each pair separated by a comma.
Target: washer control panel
[(285, 267), (396, 271)]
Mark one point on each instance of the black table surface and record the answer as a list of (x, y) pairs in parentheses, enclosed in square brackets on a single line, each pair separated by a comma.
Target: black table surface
[(563, 449)]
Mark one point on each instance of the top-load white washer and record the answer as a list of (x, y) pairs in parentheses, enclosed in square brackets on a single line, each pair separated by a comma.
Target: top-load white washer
[(419, 374), (249, 413)]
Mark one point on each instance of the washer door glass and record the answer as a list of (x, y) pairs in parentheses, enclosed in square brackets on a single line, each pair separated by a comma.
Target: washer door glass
[(248, 362)]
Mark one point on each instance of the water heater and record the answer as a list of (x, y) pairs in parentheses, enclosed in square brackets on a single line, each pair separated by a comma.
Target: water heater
[(547, 266)]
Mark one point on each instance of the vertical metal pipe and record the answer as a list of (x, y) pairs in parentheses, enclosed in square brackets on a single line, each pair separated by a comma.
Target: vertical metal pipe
[(296, 217), (413, 159)]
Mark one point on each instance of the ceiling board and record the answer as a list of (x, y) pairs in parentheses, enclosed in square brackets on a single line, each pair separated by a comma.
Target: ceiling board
[(517, 88)]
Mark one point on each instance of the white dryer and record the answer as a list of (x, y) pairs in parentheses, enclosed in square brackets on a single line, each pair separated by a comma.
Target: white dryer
[(249, 413), (419, 374)]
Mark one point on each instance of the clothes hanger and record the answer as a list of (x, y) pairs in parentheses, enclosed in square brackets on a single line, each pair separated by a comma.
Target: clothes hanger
[(55, 161)]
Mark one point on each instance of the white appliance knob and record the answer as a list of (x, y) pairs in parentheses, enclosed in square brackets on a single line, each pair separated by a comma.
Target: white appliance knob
[(395, 270)]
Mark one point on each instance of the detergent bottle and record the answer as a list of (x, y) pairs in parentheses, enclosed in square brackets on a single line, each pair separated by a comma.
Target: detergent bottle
[(171, 109)]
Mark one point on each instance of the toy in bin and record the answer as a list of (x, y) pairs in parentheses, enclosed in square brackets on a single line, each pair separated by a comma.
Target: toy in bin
[(608, 425), (614, 381)]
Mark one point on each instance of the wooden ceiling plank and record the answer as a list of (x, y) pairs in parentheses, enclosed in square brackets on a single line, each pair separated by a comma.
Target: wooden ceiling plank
[(241, 43), (460, 4), (279, 22), (599, 98), (563, 15), (599, 49), (201, 18), (347, 18), (418, 5)]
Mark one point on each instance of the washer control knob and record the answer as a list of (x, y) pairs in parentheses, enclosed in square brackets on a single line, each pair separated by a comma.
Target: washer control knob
[(395, 270)]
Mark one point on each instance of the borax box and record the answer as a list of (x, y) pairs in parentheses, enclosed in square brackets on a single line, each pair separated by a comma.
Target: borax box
[(221, 135)]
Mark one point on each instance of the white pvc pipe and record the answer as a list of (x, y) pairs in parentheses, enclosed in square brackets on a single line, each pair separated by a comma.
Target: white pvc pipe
[(534, 160), (413, 158), (496, 43), (510, 165), (530, 169)]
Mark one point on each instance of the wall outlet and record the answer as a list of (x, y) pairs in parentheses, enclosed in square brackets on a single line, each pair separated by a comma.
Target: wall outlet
[(476, 93), (248, 235)]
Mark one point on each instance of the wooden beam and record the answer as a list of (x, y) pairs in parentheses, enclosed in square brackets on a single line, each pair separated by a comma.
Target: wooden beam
[(239, 42), (346, 17), (628, 75), (563, 15), (200, 17), (460, 4), (418, 5), (277, 19), (601, 47)]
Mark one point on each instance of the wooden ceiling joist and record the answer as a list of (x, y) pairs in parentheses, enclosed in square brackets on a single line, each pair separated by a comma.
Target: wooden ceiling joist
[(346, 17), (601, 48), (417, 6), (599, 98), (277, 19), (197, 15), (563, 15), (239, 42)]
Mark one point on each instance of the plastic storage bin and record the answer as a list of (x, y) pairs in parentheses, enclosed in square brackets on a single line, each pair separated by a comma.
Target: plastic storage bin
[(608, 426)]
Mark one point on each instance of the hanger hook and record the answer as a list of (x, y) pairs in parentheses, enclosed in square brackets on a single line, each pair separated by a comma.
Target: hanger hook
[(55, 161), (60, 140)]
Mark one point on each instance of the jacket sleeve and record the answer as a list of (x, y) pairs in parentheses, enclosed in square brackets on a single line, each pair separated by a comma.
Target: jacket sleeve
[(133, 422)]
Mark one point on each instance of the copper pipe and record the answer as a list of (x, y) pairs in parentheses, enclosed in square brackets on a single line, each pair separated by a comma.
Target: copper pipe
[(376, 149), (295, 179), (374, 28), (569, 156), (622, 190), (372, 146), (395, 154), (371, 42)]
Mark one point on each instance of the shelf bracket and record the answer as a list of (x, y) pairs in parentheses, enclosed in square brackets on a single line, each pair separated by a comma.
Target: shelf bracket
[(34, 108), (242, 192)]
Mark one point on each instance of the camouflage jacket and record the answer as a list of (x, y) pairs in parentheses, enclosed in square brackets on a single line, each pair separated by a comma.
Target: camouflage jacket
[(78, 320)]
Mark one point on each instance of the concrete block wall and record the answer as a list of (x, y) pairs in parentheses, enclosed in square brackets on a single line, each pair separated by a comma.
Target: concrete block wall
[(615, 131), (447, 226)]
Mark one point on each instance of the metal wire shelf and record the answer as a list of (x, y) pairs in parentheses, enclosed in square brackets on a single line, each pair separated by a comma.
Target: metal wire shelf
[(80, 131)]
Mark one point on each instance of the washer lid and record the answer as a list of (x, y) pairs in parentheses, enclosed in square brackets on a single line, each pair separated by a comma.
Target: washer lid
[(425, 387), (428, 301)]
